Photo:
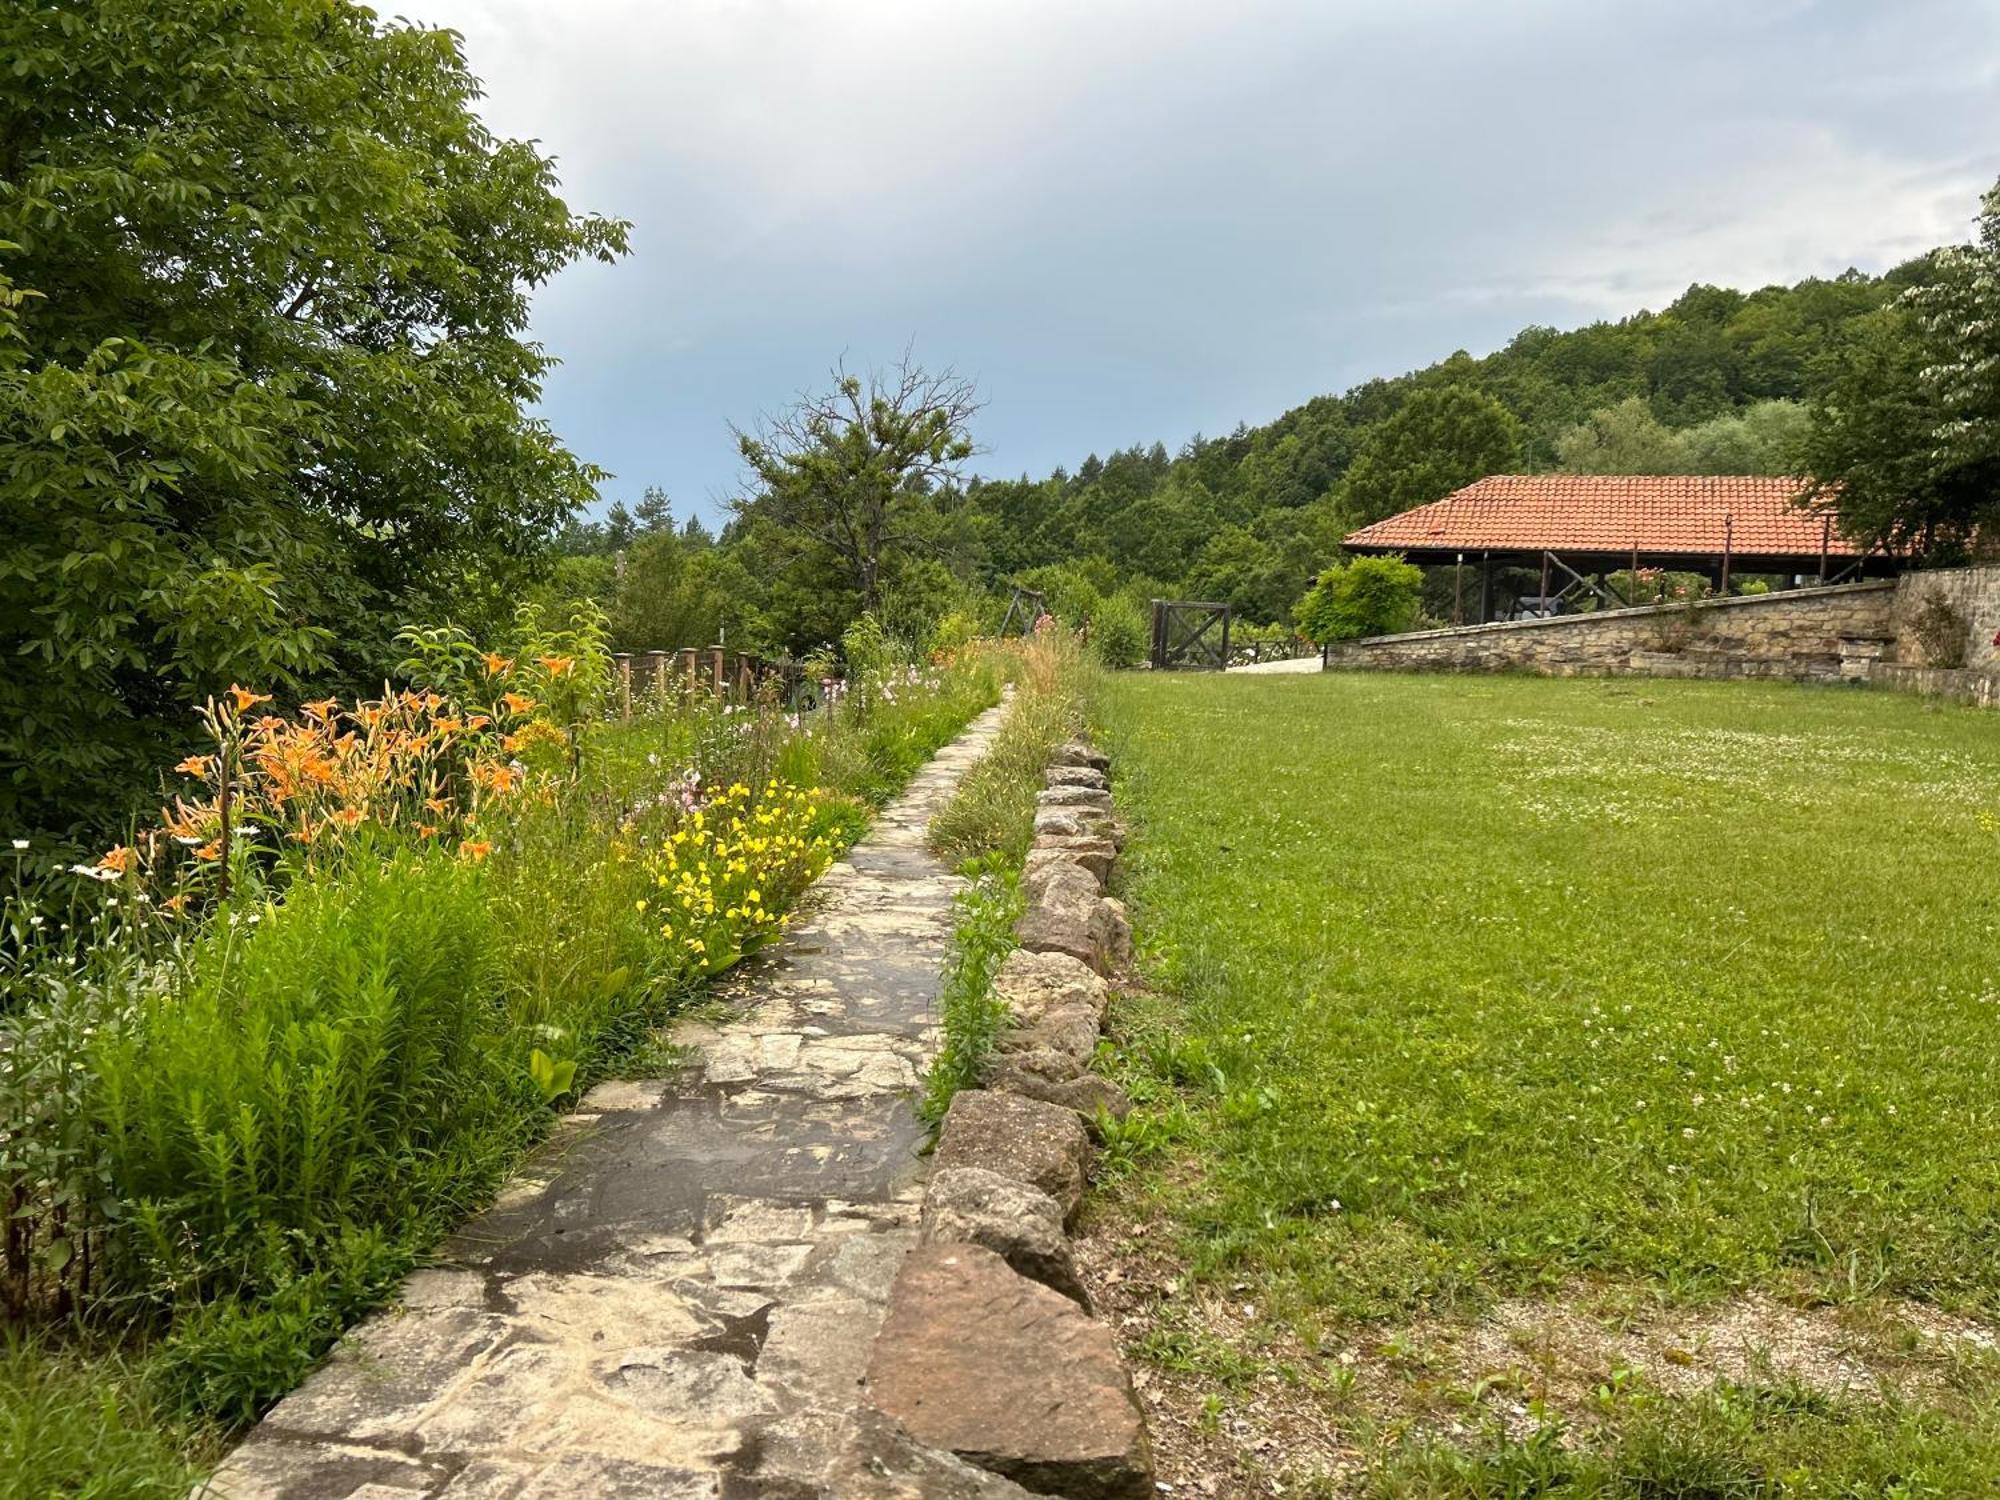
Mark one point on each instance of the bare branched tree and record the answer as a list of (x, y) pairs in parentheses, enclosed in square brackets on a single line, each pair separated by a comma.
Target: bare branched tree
[(858, 468)]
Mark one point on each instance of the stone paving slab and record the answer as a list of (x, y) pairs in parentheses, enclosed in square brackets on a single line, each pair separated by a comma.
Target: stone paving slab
[(679, 1295)]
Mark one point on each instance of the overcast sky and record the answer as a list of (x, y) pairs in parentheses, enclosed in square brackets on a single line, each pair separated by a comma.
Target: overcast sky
[(1140, 219)]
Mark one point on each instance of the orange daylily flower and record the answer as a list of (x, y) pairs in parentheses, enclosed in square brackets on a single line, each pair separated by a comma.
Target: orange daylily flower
[(427, 830), (320, 708), (498, 666), (519, 703), (245, 699), (558, 666), (437, 804), (175, 903), (350, 816), (196, 765), (496, 778), (477, 721), (449, 726), (210, 850), (118, 861), (475, 850)]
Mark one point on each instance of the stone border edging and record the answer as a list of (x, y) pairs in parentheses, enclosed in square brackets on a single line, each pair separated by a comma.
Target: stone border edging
[(990, 1350)]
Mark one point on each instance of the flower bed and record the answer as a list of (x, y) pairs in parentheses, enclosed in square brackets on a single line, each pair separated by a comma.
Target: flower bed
[(300, 1029)]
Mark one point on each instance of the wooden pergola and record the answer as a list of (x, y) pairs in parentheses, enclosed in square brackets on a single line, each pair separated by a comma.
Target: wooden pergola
[(1574, 529)]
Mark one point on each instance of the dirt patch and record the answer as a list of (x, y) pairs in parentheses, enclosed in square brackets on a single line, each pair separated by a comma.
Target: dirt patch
[(1241, 1406)]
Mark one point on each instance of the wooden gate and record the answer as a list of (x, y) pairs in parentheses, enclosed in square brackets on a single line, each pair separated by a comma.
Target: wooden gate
[(1185, 635), (1024, 607)]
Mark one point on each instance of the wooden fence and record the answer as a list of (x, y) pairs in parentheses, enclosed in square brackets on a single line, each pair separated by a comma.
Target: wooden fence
[(711, 671)]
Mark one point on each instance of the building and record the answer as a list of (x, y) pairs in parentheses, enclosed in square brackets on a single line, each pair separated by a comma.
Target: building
[(1573, 530)]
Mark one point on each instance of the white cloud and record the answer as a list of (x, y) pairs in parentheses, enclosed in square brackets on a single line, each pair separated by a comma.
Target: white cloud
[(1133, 218)]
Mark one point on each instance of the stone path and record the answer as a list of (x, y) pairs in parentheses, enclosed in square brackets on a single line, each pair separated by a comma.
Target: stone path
[(1290, 664), (680, 1300)]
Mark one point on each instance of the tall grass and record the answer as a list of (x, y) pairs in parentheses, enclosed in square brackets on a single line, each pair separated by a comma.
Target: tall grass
[(970, 1014), (993, 811), (84, 1423), (985, 829)]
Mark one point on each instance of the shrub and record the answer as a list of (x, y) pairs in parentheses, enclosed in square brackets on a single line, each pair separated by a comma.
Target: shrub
[(59, 1194), (1118, 633), (1365, 596)]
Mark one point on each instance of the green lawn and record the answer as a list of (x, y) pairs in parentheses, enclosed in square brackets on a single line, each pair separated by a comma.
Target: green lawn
[(1510, 988)]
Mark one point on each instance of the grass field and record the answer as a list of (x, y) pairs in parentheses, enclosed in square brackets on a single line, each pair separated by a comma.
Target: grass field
[(1577, 1085)]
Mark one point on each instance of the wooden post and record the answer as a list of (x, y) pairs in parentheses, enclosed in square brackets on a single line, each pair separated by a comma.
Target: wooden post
[(1542, 604), (1225, 638), (1458, 591), (1728, 545), (1485, 588), (624, 663), (1632, 593), (1825, 540), (718, 672)]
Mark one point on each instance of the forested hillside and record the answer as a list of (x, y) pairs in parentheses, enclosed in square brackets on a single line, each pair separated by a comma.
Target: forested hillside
[(1719, 381)]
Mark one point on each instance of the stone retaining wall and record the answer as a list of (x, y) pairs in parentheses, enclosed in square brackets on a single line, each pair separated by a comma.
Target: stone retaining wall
[(1973, 592), (1859, 632), (1804, 634), (990, 1350)]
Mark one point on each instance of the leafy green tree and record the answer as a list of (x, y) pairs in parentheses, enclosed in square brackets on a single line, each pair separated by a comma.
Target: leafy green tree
[(859, 471), (1364, 596), (1438, 441), (1905, 438), (1072, 592), (1766, 438), (1622, 439), (264, 379), (1160, 532), (1628, 439)]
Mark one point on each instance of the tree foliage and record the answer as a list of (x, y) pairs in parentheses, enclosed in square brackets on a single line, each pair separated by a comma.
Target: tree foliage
[(858, 471), (1438, 441), (1906, 431), (264, 384), (1764, 438)]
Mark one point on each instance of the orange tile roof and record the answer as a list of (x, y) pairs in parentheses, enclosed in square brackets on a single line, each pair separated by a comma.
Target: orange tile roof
[(1662, 514)]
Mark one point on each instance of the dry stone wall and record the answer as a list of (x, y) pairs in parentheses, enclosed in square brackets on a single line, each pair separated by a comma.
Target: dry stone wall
[(989, 1350), (1805, 633), (1859, 632)]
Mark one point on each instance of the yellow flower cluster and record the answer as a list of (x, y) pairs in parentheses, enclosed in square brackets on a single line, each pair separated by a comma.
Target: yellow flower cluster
[(725, 878)]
